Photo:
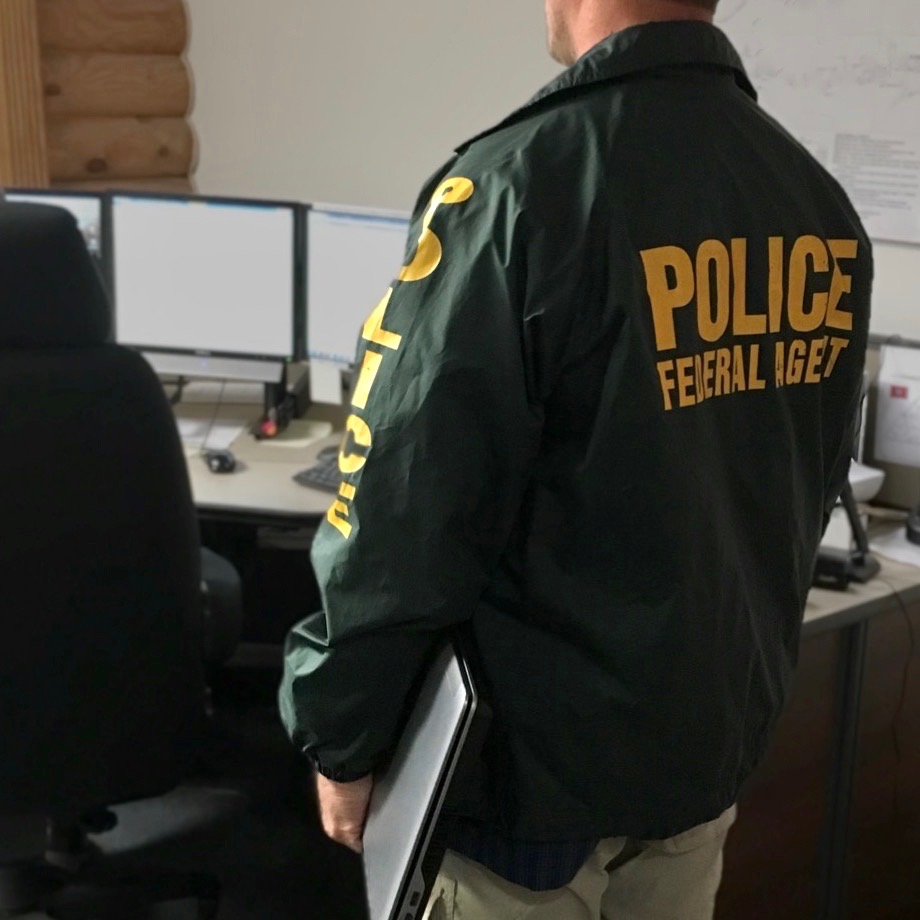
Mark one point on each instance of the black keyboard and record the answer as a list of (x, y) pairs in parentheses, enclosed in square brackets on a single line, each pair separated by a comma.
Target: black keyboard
[(324, 474)]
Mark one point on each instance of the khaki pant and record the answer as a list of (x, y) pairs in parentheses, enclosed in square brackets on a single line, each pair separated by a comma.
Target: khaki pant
[(674, 879)]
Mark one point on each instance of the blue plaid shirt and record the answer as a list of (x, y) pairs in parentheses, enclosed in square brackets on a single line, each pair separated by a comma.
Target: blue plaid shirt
[(537, 865)]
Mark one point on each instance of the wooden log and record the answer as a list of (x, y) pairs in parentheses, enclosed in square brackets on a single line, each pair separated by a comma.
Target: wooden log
[(86, 83), (23, 153), (182, 185), (121, 26), (118, 148)]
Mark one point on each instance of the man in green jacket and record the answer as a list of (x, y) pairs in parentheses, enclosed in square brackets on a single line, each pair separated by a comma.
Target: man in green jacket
[(601, 416)]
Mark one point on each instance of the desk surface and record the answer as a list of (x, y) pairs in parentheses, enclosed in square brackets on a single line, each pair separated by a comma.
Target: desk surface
[(261, 488), (836, 609)]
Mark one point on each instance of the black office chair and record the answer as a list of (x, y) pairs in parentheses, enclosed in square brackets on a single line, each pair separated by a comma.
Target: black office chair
[(222, 592), (101, 666)]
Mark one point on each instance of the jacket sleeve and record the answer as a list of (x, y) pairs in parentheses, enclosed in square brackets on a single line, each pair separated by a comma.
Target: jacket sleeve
[(435, 459)]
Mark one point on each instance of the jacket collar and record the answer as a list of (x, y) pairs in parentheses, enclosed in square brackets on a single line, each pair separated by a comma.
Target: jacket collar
[(650, 46)]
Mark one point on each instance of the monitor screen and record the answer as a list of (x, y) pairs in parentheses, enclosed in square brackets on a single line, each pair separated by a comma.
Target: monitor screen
[(206, 277), (353, 256), (86, 208)]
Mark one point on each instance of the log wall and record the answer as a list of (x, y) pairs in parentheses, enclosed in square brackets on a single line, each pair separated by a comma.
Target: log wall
[(22, 129), (117, 93)]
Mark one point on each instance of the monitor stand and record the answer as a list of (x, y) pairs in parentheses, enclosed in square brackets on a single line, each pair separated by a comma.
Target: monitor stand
[(863, 565), (277, 409), (835, 568)]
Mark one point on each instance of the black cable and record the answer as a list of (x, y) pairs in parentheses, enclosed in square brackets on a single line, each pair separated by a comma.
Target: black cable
[(180, 389), (217, 405)]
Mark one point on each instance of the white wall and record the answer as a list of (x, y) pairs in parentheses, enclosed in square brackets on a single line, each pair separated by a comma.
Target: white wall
[(358, 101), (353, 101)]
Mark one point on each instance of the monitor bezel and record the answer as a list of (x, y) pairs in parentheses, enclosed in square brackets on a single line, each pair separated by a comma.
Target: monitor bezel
[(298, 315)]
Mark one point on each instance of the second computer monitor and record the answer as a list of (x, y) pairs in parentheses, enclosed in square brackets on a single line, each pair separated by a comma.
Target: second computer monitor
[(353, 256), (208, 286), (86, 208)]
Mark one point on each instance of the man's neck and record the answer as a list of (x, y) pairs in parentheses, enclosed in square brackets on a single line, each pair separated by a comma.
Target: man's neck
[(597, 20)]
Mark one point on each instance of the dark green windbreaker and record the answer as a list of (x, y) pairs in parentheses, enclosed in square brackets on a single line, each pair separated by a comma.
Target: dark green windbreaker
[(602, 415)]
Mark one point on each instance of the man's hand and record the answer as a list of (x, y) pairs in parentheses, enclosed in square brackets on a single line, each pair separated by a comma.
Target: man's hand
[(343, 809)]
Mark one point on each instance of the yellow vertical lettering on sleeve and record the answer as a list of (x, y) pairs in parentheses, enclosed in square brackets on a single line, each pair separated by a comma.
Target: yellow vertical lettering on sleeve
[(369, 368), (429, 252), (373, 330), (361, 434), (666, 297), (337, 515)]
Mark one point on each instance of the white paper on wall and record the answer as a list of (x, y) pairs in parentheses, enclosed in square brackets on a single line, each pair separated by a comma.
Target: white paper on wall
[(897, 426), (844, 77)]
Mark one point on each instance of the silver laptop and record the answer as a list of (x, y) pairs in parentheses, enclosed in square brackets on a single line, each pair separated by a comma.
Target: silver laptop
[(401, 852)]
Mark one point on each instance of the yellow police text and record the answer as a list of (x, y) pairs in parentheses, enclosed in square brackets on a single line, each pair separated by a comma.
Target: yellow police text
[(713, 283)]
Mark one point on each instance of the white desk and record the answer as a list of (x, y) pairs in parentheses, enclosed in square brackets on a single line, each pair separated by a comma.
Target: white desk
[(260, 489), (826, 610)]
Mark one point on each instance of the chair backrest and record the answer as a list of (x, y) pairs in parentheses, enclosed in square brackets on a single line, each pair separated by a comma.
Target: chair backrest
[(101, 685)]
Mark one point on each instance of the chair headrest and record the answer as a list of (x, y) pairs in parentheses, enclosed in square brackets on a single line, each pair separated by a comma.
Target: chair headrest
[(51, 293)]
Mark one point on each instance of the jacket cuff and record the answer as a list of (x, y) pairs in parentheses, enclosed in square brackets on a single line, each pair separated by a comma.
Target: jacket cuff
[(340, 774)]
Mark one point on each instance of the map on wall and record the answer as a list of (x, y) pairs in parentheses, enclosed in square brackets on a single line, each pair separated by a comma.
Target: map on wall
[(844, 77)]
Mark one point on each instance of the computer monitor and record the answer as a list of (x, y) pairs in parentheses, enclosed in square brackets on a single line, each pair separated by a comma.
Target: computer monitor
[(87, 208), (208, 287), (353, 256)]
